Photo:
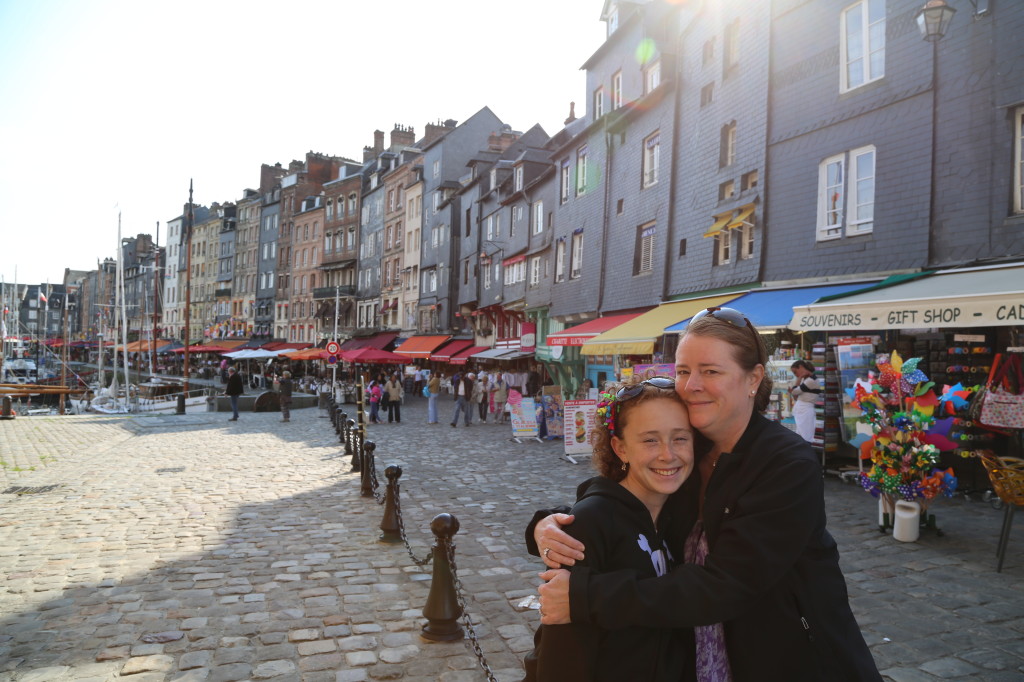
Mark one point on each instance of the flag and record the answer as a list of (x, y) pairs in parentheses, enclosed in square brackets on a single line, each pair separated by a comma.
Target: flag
[(42, 296)]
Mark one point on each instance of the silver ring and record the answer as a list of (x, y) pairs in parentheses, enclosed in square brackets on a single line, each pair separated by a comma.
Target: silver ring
[(546, 551)]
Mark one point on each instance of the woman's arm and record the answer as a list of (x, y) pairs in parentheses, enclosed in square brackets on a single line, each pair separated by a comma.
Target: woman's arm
[(753, 553)]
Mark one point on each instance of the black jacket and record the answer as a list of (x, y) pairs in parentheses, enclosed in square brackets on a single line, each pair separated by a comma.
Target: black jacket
[(619, 533), (772, 574), (234, 386), (467, 384)]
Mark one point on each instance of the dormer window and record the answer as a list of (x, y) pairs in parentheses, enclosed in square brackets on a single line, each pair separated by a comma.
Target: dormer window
[(519, 178), (494, 178), (613, 20)]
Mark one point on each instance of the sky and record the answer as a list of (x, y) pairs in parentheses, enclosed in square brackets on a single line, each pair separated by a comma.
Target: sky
[(109, 108)]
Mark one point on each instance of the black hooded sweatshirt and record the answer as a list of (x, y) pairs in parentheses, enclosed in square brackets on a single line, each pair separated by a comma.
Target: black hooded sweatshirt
[(619, 534)]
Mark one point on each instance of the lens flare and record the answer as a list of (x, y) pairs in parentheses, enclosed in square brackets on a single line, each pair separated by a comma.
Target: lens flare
[(646, 50)]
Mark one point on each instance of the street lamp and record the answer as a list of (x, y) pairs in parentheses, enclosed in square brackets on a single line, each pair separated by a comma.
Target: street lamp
[(933, 19)]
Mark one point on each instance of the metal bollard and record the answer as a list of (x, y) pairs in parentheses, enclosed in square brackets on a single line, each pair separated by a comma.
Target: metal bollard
[(442, 610), (366, 475), (390, 530), (352, 445), (341, 426)]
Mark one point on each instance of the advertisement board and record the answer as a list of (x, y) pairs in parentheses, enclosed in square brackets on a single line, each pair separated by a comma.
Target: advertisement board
[(578, 425), (524, 416), (551, 404)]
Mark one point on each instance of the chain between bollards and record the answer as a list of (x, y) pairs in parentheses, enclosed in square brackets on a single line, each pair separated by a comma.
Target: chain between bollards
[(466, 619), (365, 476)]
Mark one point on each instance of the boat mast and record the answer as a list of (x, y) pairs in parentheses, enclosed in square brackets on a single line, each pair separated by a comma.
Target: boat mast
[(156, 296)]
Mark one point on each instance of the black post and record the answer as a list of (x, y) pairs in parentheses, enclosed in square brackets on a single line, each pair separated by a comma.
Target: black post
[(366, 475), (442, 610), (391, 531), (180, 409), (6, 412)]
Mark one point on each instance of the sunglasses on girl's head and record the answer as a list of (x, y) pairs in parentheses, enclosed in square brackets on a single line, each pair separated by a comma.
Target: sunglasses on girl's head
[(733, 317), (629, 392)]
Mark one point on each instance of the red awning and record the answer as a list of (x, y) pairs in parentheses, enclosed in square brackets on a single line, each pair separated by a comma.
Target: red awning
[(462, 357), (445, 352), (377, 341), (420, 346), (576, 336), (281, 345)]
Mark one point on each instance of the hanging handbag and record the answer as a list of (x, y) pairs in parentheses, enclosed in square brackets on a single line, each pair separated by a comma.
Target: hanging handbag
[(426, 391), (1001, 406)]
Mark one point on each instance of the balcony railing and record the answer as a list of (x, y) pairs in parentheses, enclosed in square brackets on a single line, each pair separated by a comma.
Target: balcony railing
[(321, 293)]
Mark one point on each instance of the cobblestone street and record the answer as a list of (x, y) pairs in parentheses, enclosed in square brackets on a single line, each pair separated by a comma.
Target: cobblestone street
[(190, 548)]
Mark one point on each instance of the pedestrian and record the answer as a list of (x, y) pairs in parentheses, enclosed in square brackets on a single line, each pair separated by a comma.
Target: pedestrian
[(374, 393), (462, 387), (805, 392), (643, 452), (434, 388), (418, 378), (500, 396), (764, 585), (480, 397), (233, 389), (285, 387), (394, 390), (224, 370)]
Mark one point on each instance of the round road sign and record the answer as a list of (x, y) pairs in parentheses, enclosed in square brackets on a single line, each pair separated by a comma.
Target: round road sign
[(333, 347)]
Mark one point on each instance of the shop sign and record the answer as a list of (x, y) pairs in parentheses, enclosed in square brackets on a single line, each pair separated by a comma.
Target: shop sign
[(993, 311), (578, 424)]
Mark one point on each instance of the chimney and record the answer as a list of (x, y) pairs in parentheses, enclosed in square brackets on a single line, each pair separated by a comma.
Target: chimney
[(432, 132), (402, 136), (368, 154), (572, 113), (378, 141)]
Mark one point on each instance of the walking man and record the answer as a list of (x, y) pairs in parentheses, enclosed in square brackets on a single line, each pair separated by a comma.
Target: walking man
[(233, 390), (285, 386), (462, 387)]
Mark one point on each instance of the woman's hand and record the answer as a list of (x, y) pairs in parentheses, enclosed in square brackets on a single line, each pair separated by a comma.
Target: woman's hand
[(554, 597), (557, 548)]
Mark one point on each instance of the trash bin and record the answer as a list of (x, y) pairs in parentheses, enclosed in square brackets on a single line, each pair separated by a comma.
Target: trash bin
[(907, 525)]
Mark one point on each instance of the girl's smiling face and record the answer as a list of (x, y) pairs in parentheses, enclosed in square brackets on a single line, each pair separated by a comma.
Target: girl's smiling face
[(658, 445)]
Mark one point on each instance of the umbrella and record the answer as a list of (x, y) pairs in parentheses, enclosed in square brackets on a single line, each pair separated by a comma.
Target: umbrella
[(375, 356), (202, 349), (306, 354)]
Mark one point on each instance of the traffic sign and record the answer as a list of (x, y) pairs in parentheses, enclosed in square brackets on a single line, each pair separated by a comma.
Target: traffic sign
[(333, 348), (332, 359)]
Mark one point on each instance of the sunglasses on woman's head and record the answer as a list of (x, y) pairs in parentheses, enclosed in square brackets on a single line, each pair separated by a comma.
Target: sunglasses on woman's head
[(630, 392), (733, 317)]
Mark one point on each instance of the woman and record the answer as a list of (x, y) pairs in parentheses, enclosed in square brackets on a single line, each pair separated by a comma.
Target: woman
[(285, 387), (434, 388), (805, 394), (770, 575), (395, 392), (481, 391), (499, 393), (374, 391), (643, 451)]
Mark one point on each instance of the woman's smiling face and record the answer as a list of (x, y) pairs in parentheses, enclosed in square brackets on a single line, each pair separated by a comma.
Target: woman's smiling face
[(718, 392), (658, 444)]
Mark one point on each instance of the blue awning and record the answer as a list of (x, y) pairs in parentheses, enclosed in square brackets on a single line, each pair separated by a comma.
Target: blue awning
[(771, 309)]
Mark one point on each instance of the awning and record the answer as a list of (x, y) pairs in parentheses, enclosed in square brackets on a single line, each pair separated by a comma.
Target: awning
[(514, 355), (490, 354), (420, 346), (637, 336), (990, 296), (720, 221), (463, 356), (741, 217), (377, 341), (772, 309), (445, 352), (576, 336)]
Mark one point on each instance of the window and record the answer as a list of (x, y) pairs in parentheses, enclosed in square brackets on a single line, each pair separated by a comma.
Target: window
[(617, 90), (620, 206), (643, 253), (723, 244), (560, 260), (437, 168), (747, 241), (564, 173), (862, 50), (748, 180), (727, 148), (682, 248), (727, 190), (489, 227), (352, 199), (707, 94), (535, 271), (613, 20), (581, 171), (538, 217), (517, 216), (519, 179), (652, 76), (1018, 160), (494, 178), (652, 153), (598, 103), (576, 256), (846, 202), (708, 53), (437, 201), (731, 46)]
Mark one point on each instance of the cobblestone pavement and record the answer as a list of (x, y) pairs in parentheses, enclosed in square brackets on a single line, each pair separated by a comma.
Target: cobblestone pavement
[(191, 548)]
